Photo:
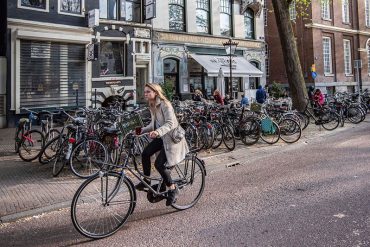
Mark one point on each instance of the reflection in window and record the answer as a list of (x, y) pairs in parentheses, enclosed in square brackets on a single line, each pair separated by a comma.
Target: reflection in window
[(249, 24), (202, 16), (111, 58), (133, 11), (225, 17), (40, 4), (177, 15), (108, 9), (170, 66), (254, 82), (70, 6)]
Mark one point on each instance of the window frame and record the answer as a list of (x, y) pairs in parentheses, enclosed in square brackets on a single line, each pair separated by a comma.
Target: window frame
[(141, 11), (183, 14), (367, 13), (292, 11), (253, 18), (325, 5), (230, 16), (328, 73), (72, 14), (347, 52), (19, 5), (208, 15), (123, 59)]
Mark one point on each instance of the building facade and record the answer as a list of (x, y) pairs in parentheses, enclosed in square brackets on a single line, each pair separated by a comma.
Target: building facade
[(188, 49), (50, 56), (332, 36)]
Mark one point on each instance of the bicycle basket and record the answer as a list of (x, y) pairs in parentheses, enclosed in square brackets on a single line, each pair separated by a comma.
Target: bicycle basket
[(255, 107), (131, 123), (268, 126)]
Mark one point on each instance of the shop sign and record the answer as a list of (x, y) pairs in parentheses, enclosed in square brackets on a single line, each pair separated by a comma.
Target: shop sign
[(93, 18), (142, 33), (113, 82), (223, 61)]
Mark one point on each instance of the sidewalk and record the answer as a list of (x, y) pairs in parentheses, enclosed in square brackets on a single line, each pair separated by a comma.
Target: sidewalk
[(28, 189)]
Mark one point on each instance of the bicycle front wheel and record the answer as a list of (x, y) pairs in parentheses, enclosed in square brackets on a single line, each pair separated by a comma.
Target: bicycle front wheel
[(228, 137), (290, 130), (189, 175), (31, 145), (330, 120), (102, 204)]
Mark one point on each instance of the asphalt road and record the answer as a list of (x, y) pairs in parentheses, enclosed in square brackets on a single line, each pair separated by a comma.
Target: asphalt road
[(315, 193)]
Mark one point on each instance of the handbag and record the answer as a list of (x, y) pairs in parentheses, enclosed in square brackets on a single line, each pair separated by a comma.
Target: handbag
[(178, 134)]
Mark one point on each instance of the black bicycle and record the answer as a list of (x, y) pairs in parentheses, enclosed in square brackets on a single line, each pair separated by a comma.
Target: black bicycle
[(104, 202)]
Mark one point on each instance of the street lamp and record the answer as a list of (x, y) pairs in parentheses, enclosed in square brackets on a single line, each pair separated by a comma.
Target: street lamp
[(230, 47)]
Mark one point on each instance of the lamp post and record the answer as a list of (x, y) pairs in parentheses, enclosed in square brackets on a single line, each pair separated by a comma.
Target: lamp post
[(230, 47)]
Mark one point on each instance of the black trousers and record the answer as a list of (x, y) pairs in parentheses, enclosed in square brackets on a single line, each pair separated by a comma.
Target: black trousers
[(153, 147)]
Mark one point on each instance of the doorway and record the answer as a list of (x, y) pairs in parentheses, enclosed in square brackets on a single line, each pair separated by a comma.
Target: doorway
[(141, 79)]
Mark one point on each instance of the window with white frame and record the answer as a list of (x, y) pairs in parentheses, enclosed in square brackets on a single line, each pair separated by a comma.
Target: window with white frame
[(40, 5), (347, 57), (345, 11), (327, 56), (177, 15), (292, 11), (367, 12), (225, 18), (71, 6), (202, 16), (325, 9)]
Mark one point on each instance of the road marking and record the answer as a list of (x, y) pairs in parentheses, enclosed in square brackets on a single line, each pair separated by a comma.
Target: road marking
[(340, 215)]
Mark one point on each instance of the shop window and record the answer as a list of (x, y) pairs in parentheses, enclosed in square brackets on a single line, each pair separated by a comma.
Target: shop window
[(225, 18), (71, 6), (254, 82), (177, 15), (111, 58), (42, 5)]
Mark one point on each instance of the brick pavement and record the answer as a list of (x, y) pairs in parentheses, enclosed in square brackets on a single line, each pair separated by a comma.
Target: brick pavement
[(28, 188)]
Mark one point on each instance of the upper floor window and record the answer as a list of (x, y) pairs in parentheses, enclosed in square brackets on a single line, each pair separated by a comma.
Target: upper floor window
[(367, 12), (292, 11), (345, 10), (225, 18), (133, 10), (177, 15), (327, 56), (347, 57), (249, 24), (108, 9), (74, 7), (202, 16), (41, 5), (325, 9), (368, 57)]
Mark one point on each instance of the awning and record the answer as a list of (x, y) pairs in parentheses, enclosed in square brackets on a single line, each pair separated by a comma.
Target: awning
[(241, 67)]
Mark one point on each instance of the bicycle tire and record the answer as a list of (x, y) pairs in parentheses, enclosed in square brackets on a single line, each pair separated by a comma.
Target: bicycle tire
[(89, 215), (228, 137), (217, 141), (51, 135), (333, 118), (86, 158), (290, 130), (189, 175), (60, 159), (49, 151), (31, 145), (271, 137), (249, 131)]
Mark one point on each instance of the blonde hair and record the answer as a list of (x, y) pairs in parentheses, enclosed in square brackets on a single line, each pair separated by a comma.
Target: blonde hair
[(158, 90), (217, 92), (197, 91)]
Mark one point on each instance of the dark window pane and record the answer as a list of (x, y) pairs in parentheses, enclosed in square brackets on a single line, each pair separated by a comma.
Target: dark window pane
[(40, 4), (249, 24), (108, 9), (133, 11), (170, 66), (111, 58)]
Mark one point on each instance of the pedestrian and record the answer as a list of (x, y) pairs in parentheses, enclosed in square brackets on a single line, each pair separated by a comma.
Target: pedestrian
[(260, 95), (161, 130), (217, 97), (318, 98), (310, 92), (244, 101), (198, 95)]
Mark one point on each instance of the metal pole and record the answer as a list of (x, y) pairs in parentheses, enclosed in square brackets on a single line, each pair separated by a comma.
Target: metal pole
[(231, 75), (95, 99), (358, 82), (77, 98)]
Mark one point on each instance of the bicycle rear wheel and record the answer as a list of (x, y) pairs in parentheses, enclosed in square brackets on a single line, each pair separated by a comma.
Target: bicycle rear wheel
[(189, 175), (102, 204), (271, 135), (60, 157), (228, 137), (31, 145), (330, 120), (249, 131), (49, 151)]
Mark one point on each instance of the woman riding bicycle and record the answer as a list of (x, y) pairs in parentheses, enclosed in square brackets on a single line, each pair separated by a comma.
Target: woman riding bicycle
[(160, 129)]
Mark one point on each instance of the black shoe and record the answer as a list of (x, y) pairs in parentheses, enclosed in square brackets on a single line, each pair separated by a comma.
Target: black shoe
[(141, 186), (172, 196)]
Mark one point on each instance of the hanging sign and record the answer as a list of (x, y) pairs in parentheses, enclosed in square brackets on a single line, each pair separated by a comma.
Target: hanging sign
[(93, 18), (150, 9)]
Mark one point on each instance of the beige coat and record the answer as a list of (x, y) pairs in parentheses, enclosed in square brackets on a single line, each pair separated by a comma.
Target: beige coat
[(165, 115)]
